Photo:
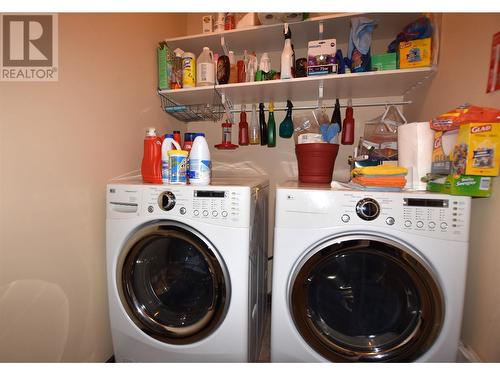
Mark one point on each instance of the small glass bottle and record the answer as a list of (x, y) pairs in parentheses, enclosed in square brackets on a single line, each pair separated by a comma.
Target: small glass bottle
[(271, 127), (254, 129), (243, 128)]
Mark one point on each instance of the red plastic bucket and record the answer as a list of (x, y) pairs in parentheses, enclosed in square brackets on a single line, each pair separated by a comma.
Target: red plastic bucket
[(316, 161)]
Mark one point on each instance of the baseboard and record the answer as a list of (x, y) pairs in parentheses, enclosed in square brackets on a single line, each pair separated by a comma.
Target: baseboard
[(466, 354)]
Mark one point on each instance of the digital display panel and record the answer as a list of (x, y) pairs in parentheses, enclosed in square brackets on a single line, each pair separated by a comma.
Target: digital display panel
[(209, 194), (420, 202)]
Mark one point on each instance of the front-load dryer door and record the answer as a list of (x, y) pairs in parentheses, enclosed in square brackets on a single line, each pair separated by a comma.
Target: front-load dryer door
[(366, 298), (173, 283)]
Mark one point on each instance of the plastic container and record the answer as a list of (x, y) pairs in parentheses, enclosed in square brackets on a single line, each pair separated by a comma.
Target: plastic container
[(188, 141), (223, 70), (205, 68), (177, 136), (177, 160), (168, 144), (316, 161), (348, 126), (233, 70), (188, 70), (287, 56), (151, 160), (200, 164)]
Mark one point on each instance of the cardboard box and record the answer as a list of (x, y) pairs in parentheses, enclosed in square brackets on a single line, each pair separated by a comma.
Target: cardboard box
[(473, 149), (321, 57), (384, 61), (472, 186), (415, 53)]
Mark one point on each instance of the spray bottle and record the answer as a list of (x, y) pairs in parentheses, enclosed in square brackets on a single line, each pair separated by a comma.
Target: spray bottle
[(287, 55), (348, 128)]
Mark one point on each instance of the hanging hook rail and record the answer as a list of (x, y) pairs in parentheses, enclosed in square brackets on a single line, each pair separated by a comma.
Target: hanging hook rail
[(309, 107)]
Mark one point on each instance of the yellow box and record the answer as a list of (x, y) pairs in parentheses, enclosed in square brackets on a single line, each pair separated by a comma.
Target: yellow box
[(477, 149), (415, 53)]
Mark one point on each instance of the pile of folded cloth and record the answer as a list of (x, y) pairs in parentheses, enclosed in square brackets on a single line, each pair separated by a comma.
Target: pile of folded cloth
[(380, 178)]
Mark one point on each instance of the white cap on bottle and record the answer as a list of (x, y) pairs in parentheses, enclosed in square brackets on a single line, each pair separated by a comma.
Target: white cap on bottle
[(151, 132)]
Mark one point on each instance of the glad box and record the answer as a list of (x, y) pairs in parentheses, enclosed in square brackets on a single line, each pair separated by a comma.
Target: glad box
[(473, 149)]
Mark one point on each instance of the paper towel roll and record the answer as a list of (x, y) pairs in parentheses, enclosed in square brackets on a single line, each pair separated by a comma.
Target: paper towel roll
[(415, 143)]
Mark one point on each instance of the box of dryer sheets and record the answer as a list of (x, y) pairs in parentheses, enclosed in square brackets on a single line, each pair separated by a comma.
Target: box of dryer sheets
[(472, 149), (321, 57), (165, 57), (415, 53), (384, 61), (472, 186)]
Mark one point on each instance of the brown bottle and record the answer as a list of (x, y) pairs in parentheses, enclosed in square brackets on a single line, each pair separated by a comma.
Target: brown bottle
[(223, 68)]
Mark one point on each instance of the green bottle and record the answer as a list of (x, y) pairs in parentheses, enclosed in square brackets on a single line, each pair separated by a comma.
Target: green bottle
[(271, 127), (286, 126)]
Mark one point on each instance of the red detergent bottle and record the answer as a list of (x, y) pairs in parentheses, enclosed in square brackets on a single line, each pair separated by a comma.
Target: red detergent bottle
[(151, 160)]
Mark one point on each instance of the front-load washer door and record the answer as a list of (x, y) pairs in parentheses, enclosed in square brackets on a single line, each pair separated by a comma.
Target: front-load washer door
[(366, 298), (173, 283)]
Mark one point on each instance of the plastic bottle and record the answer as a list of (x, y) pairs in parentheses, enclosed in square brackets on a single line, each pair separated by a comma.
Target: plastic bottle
[(287, 56), (254, 129), (223, 70), (262, 124), (199, 161), (243, 128), (205, 68), (348, 127), (151, 160), (271, 127), (336, 117), (188, 70), (168, 144), (233, 70), (219, 24), (177, 136), (286, 126), (229, 21), (264, 67), (188, 141)]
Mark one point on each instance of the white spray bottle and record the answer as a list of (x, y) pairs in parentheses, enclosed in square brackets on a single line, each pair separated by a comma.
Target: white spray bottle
[(287, 55)]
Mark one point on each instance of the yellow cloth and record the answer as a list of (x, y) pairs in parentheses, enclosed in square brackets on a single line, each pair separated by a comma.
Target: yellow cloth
[(380, 170)]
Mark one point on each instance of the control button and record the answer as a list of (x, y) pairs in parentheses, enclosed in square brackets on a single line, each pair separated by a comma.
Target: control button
[(150, 209), (420, 224), (214, 213), (183, 210), (390, 220), (345, 218), (431, 225), (407, 223), (224, 213), (196, 212), (444, 225), (205, 213), (368, 209), (166, 200)]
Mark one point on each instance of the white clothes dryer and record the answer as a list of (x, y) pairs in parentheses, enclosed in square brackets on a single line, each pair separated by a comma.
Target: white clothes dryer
[(186, 269), (367, 276)]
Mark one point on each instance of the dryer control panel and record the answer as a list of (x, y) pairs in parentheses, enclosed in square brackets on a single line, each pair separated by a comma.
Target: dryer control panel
[(427, 214)]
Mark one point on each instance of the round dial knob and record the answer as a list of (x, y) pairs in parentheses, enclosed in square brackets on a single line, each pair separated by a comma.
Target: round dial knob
[(368, 209), (166, 200)]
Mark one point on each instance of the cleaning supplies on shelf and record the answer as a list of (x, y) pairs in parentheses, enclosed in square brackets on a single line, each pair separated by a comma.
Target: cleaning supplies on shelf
[(151, 160), (336, 116), (264, 71), (287, 56), (254, 129), (177, 136), (168, 144), (321, 57), (243, 128), (251, 68), (205, 68), (223, 70), (188, 141), (226, 143), (178, 160), (348, 126), (233, 71), (200, 164), (286, 126), (262, 124), (271, 127), (380, 177), (188, 70), (360, 39), (176, 76)]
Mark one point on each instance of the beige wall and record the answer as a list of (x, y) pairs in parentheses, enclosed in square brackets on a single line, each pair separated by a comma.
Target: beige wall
[(60, 142), (462, 76)]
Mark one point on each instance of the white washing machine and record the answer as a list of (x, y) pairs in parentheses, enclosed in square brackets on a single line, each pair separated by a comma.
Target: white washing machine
[(186, 270), (367, 276)]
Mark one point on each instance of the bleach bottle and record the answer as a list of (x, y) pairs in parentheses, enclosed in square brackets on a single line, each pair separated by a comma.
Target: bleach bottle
[(168, 144), (200, 164)]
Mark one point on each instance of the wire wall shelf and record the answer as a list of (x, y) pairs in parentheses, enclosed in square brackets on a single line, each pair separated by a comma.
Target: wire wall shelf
[(213, 110)]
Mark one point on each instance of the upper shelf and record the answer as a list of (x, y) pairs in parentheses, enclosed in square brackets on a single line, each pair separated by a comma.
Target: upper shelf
[(353, 85), (267, 38)]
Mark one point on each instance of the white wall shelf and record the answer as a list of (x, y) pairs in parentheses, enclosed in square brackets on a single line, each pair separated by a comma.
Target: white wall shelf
[(354, 85)]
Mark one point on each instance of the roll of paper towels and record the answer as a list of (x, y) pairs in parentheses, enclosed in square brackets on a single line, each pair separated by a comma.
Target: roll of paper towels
[(415, 144)]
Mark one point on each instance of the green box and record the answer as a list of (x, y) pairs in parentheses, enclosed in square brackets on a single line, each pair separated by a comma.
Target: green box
[(471, 186), (165, 61), (384, 61)]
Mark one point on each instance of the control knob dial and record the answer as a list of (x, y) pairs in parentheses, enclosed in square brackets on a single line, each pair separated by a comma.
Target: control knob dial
[(368, 209), (166, 200)]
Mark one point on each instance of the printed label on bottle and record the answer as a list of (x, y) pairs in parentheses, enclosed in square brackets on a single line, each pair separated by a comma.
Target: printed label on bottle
[(164, 170), (206, 73), (199, 169)]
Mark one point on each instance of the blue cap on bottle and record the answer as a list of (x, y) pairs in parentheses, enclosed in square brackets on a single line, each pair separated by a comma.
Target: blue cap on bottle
[(169, 136), (189, 137), (200, 134)]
